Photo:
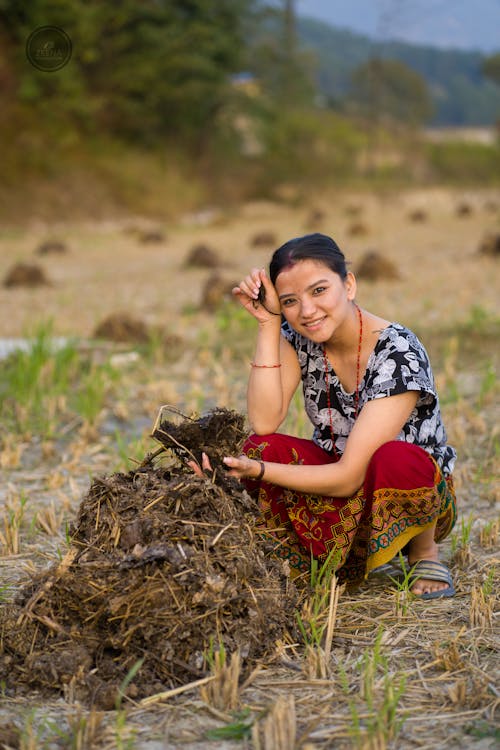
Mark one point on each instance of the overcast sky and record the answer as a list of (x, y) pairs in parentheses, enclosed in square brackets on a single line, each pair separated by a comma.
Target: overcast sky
[(465, 24)]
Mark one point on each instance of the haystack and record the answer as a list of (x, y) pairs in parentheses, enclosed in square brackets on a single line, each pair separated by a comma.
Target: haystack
[(52, 247), (373, 266), (203, 256), (26, 274), (264, 238), (490, 244), (163, 567), (358, 229), (122, 327)]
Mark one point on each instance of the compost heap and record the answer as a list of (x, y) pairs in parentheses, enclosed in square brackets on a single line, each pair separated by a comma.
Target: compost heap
[(163, 565)]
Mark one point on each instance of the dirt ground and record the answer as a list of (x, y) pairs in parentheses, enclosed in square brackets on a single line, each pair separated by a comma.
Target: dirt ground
[(446, 651)]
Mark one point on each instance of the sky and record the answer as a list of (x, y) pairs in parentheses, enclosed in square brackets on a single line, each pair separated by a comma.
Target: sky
[(463, 24)]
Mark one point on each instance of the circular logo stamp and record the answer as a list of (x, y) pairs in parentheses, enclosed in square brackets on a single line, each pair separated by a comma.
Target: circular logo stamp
[(48, 48)]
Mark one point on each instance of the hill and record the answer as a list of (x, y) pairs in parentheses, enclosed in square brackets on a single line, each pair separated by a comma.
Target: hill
[(461, 94)]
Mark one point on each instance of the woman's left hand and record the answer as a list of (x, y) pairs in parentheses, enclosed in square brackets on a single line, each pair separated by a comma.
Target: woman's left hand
[(242, 467)]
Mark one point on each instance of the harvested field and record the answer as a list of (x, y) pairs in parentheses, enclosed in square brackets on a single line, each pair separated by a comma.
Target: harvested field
[(122, 574)]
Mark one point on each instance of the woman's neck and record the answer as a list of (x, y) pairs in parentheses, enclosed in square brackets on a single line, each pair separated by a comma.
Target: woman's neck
[(345, 340)]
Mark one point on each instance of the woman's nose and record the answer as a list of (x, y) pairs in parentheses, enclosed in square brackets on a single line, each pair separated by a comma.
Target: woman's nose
[(307, 306)]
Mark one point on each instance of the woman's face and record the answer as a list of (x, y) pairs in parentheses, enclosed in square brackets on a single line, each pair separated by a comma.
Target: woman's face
[(314, 299)]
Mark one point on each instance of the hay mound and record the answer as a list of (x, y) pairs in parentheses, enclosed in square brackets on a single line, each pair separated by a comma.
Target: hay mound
[(265, 239), (358, 229), (162, 564), (490, 244), (464, 209), (52, 247), (122, 327), (25, 274), (374, 266), (418, 215), (151, 236), (203, 256)]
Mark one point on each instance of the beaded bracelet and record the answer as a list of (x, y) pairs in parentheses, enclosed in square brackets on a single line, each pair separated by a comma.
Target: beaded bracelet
[(267, 367)]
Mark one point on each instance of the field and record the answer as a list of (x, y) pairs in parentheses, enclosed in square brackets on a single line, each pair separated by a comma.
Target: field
[(392, 671)]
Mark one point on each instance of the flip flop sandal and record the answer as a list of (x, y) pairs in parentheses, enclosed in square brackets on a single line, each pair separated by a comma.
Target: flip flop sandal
[(432, 571), (394, 567)]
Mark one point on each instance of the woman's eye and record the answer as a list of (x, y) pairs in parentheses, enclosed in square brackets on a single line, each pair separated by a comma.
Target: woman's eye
[(287, 302), (319, 289)]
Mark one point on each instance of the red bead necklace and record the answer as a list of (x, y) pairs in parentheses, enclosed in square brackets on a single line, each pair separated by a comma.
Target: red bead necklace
[(327, 381)]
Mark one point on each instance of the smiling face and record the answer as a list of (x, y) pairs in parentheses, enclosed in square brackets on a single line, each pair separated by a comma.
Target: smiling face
[(315, 300)]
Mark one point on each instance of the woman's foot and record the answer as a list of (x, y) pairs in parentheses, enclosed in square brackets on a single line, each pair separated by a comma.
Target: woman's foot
[(423, 547)]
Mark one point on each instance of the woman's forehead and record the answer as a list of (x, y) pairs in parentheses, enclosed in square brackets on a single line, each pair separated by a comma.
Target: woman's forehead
[(302, 272)]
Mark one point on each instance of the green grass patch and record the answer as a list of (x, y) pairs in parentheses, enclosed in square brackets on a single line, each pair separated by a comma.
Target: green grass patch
[(49, 383)]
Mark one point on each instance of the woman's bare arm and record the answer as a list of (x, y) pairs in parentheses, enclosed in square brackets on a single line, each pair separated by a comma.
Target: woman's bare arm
[(379, 421), (270, 389), (275, 373)]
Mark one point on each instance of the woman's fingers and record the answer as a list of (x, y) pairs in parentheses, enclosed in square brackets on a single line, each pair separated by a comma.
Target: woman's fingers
[(200, 471), (196, 468), (242, 466), (251, 284), (239, 467), (249, 290), (205, 462)]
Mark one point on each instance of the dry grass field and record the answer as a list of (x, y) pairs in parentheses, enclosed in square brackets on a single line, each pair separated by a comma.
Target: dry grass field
[(397, 672)]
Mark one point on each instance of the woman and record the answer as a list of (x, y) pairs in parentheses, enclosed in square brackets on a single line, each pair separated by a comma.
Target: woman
[(377, 475)]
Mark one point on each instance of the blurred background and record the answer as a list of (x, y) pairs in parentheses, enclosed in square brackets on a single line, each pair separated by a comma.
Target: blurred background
[(167, 105)]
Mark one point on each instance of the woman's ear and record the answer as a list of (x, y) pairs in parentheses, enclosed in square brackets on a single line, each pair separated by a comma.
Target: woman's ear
[(350, 285)]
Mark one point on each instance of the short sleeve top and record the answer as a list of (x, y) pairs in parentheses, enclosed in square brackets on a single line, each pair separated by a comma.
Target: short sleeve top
[(398, 363)]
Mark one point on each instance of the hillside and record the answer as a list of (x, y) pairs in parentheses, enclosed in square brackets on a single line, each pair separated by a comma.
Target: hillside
[(461, 95)]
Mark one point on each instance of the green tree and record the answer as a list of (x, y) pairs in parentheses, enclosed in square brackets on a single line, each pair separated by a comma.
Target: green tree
[(491, 68), (146, 70), (390, 90), (283, 67)]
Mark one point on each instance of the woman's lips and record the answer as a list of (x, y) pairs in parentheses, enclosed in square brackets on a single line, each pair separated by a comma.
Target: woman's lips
[(315, 324)]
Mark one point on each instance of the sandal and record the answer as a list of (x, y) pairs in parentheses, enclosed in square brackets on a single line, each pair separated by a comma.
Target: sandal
[(432, 571)]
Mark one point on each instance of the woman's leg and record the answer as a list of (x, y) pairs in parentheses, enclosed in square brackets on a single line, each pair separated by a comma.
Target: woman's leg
[(402, 469), (401, 501), (288, 516)]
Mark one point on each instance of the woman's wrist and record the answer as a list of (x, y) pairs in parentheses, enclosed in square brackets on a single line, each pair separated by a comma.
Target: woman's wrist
[(262, 469)]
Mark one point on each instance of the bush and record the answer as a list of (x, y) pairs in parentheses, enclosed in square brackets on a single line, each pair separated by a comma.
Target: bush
[(459, 161)]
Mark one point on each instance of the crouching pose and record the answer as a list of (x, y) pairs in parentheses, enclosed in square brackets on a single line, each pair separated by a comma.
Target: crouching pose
[(376, 478)]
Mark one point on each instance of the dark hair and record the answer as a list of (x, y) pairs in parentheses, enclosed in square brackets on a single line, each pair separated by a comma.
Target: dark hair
[(315, 246)]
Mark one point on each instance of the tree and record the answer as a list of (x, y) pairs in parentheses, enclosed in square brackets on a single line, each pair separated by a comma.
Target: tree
[(275, 56), (145, 70), (491, 68), (389, 89)]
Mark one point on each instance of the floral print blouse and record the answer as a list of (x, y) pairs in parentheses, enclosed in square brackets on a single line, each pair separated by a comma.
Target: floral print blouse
[(398, 363)]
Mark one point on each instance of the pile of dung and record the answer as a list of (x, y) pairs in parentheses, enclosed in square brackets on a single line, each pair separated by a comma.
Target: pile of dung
[(218, 433), (163, 566)]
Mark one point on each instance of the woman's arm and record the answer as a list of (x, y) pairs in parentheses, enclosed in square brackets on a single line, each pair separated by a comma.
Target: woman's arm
[(275, 373), (270, 388), (379, 421)]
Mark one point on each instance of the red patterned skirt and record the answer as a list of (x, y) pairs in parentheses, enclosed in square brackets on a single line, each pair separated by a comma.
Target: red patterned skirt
[(403, 494)]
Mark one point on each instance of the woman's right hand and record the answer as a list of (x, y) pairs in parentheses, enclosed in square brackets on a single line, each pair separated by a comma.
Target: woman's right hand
[(247, 293)]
